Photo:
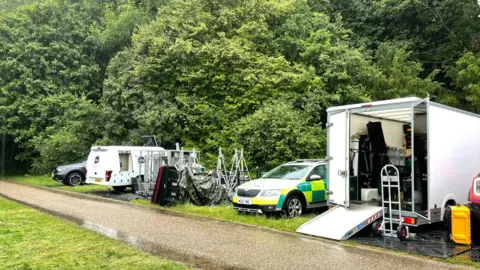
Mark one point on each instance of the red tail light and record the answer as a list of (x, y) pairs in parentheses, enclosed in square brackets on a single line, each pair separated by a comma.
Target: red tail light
[(108, 175), (408, 220)]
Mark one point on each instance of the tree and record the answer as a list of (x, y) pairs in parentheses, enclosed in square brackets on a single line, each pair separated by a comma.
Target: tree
[(9, 5), (118, 24), (52, 57), (397, 75), (465, 77), (44, 51), (79, 72), (439, 30), (277, 133), (203, 65), (71, 135)]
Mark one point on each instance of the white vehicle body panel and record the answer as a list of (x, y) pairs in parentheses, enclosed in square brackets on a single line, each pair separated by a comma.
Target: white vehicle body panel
[(107, 158), (454, 154), (338, 155)]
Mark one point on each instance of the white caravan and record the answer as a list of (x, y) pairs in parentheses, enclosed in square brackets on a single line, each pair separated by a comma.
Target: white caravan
[(115, 166), (439, 154)]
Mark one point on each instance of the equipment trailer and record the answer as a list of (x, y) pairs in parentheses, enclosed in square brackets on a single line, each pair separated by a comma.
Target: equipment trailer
[(433, 146)]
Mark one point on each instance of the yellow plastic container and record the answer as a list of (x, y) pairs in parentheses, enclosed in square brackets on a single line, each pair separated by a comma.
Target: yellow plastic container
[(461, 225)]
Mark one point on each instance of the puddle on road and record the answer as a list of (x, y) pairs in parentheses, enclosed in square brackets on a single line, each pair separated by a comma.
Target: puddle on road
[(130, 239), (101, 229), (155, 249), (117, 195)]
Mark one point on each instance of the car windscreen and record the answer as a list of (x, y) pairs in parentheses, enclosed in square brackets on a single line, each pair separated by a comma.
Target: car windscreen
[(288, 172)]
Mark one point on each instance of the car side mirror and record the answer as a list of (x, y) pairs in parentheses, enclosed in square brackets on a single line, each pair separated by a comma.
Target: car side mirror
[(314, 177)]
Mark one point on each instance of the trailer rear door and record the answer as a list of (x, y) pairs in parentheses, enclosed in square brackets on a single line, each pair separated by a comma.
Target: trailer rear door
[(338, 153), (419, 158)]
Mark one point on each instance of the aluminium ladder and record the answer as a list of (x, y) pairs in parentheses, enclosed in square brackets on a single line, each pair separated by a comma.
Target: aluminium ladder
[(390, 182)]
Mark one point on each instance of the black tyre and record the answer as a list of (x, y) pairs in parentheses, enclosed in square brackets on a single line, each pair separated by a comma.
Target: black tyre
[(120, 188), (74, 179), (402, 232), (293, 207), (475, 219), (447, 216), (376, 228), (450, 239)]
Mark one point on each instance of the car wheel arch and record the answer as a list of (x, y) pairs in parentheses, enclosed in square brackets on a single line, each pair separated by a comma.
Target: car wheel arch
[(298, 193)]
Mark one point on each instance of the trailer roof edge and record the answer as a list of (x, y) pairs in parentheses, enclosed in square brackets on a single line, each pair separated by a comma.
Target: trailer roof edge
[(126, 147), (375, 103), (454, 109)]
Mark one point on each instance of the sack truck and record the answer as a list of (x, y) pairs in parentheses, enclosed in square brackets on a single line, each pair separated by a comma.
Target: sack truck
[(394, 164)]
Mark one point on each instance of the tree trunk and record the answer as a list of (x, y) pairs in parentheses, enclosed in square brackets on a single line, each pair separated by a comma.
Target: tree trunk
[(2, 156)]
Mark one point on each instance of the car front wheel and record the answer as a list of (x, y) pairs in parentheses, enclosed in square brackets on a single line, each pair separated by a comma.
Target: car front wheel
[(293, 207), (74, 179)]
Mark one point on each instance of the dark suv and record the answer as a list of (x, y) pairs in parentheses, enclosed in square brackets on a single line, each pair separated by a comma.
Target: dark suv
[(70, 174)]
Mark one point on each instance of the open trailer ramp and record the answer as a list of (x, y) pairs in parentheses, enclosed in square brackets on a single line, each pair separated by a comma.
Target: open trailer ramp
[(340, 223)]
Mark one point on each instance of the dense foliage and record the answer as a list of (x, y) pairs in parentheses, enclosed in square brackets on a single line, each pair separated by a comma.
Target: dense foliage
[(256, 74)]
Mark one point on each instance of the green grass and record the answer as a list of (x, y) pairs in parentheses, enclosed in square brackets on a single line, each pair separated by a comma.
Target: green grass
[(32, 240), (47, 181), (461, 260), (226, 212)]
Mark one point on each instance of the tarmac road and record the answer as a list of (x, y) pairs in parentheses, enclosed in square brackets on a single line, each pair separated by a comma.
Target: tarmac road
[(208, 243)]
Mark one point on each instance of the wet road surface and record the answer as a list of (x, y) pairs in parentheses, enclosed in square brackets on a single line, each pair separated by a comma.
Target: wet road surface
[(208, 243)]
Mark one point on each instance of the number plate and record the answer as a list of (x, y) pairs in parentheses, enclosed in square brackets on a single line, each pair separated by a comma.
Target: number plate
[(245, 201), (98, 180)]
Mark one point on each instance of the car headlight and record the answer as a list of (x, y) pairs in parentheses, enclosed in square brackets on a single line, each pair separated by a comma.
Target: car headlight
[(477, 187), (59, 169), (270, 192)]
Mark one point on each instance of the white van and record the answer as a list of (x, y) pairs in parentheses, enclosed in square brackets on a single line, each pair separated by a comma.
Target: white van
[(115, 166)]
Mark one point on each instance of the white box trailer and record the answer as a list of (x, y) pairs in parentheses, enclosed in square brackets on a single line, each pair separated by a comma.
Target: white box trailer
[(452, 159), (115, 166)]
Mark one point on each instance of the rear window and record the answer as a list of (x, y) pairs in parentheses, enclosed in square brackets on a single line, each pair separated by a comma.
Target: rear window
[(96, 156)]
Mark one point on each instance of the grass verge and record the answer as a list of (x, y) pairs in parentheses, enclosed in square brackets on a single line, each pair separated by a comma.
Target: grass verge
[(47, 181), (32, 240), (227, 212)]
